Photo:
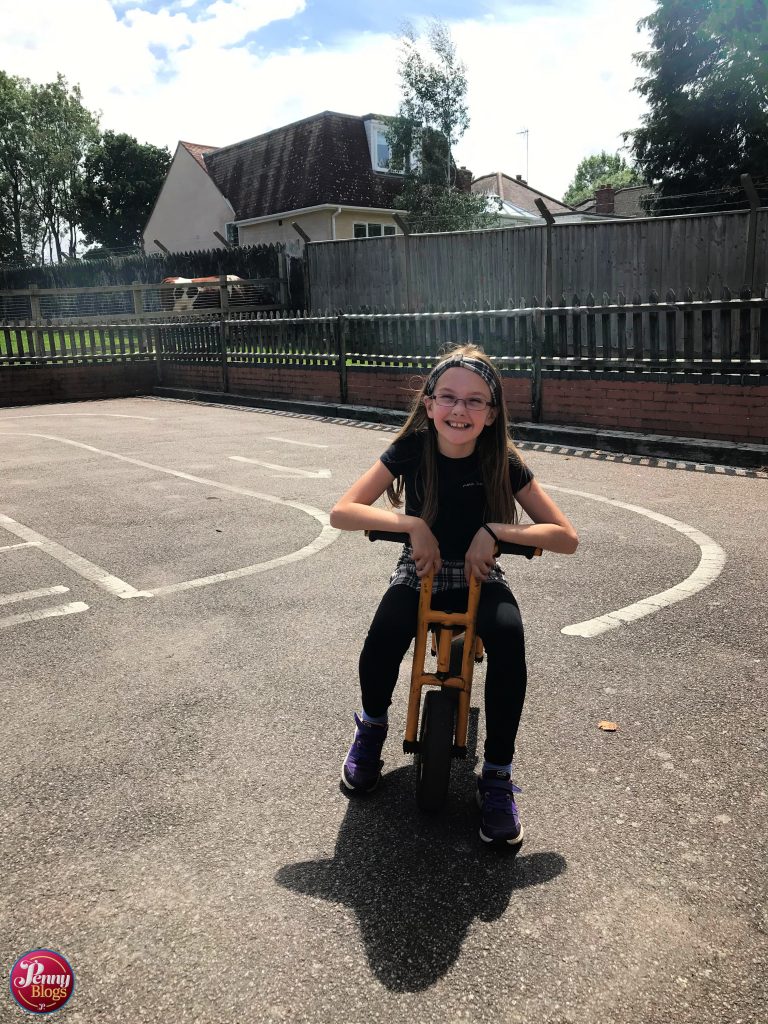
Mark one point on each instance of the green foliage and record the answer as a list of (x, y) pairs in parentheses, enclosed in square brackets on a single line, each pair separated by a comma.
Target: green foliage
[(596, 171), (121, 181), (707, 91), (45, 134), (440, 207), (431, 118)]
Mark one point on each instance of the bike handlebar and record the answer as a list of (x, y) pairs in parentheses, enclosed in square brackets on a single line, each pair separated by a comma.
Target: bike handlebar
[(505, 548)]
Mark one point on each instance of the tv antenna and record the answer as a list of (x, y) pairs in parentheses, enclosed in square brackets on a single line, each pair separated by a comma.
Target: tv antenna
[(525, 133)]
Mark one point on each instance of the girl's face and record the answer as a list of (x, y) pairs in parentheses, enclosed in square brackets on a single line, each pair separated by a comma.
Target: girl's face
[(458, 427)]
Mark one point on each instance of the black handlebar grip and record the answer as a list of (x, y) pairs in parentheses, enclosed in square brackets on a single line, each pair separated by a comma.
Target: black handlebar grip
[(518, 549), (504, 548)]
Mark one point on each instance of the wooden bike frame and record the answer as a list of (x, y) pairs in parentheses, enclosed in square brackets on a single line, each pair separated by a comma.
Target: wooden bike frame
[(429, 618)]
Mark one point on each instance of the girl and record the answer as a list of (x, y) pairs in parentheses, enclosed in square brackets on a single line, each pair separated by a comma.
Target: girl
[(462, 479)]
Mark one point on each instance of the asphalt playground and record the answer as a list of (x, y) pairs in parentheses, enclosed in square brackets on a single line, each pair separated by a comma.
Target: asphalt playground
[(179, 632)]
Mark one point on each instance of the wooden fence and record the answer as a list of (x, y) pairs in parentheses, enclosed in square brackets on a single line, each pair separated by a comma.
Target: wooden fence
[(493, 269), (689, 339)]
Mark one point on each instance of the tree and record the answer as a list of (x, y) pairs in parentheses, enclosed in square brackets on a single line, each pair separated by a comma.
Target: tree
[(121, 181), (431, 118), (15, 221), (594, 172), (61, 133), (707, 93)]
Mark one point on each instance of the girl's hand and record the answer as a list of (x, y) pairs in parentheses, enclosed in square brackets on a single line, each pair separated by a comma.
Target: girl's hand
[(426, 553), (480, 557)]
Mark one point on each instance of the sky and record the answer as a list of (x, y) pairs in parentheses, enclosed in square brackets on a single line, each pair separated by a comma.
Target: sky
[(216, 73)]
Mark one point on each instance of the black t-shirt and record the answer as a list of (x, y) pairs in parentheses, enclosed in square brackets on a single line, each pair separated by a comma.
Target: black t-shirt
[(461, 502)]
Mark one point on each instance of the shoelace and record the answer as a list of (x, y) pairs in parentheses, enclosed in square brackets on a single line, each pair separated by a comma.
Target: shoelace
[(498, 798)]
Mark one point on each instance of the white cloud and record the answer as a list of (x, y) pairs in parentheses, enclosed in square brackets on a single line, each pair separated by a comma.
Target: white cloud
[(565, 76)]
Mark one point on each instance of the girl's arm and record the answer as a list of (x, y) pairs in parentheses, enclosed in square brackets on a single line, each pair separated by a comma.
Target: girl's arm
[(550, 530), (353, 511)]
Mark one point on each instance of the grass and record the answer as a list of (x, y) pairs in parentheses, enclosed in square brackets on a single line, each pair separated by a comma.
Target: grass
[(15, 343)]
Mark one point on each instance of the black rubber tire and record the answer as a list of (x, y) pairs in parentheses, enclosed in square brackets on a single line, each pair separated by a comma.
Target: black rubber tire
[(435, 754)]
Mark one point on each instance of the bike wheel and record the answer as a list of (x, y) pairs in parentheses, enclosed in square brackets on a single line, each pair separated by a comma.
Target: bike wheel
[(433, 759)]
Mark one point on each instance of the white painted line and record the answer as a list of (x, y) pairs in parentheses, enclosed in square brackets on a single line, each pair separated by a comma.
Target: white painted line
[(89, 571), (26, 544), (44, 613), (328, 533), (711, 564), (311, 474), (304, 444), (98, 415), (30, 595), (249, 570)]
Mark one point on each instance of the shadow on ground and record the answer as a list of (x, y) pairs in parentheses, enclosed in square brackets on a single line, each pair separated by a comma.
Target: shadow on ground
[(417, 882)]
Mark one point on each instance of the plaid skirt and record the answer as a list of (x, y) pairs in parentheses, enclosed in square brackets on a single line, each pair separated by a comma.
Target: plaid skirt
[(450, 577)]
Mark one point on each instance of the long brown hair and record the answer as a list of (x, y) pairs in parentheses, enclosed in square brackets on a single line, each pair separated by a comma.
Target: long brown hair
[(494, 446)]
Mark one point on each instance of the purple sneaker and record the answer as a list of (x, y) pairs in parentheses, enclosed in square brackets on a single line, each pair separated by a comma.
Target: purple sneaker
[(499, 821), (362, 767)]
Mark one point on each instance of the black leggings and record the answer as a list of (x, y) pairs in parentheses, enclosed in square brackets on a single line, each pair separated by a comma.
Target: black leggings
[(501, 628)]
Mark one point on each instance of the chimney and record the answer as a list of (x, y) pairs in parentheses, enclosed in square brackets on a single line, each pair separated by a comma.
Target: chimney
[(521, 179), (463, 180), (604, 199), (499, 185)]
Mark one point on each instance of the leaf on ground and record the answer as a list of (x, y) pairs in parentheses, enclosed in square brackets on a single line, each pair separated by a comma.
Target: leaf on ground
[(607, 726)]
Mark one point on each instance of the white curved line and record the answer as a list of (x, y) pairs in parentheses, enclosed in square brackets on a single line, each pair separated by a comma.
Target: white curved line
[(711, 564), (53, 415), (328, 533)]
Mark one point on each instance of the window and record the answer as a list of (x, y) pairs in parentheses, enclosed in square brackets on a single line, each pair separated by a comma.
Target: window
[(383, 152), (373, 230), (233, 234)]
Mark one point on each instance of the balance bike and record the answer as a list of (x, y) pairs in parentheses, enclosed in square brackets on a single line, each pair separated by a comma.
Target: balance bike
[(442, 731)]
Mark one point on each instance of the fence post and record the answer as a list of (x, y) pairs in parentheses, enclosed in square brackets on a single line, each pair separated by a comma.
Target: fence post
[(224, 330), (37, 316), (536, 365), (749, 257), (342, 326), (138, 312), (283, 258)]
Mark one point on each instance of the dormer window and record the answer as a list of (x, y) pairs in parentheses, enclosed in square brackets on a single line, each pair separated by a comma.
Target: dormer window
[(381, 154)]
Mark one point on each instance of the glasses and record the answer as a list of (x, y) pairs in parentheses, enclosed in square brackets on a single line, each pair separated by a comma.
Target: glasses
[(448, 401)]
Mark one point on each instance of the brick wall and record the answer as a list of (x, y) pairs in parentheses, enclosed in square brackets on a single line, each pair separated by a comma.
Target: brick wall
[(197, 376), (391, 389), (30, 385), (717, 411), (311, 383)]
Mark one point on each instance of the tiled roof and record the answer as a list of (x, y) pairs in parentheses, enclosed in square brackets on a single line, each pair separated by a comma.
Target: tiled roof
[(198, 152), (517, 192), (321, 159)]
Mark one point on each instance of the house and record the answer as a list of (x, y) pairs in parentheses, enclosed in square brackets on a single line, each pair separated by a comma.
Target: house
[(328, 174), (518, 201), (619, 202)]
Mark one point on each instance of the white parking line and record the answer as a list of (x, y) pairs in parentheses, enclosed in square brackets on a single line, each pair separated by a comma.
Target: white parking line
[(304, 444), (26, 544), (30, 595), (311, 474), (44, 613), (54, 415), (328, 534), (89, 571), (711, 564)]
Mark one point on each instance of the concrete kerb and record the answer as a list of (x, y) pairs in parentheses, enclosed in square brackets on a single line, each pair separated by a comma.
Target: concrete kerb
[(655, 446)]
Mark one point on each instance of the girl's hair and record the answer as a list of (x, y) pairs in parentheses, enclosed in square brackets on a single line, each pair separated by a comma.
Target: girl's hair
[(494, 447)]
